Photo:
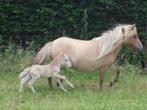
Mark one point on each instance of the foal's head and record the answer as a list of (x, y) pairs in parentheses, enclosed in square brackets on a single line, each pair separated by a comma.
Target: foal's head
[(133, 40), (64, 60)]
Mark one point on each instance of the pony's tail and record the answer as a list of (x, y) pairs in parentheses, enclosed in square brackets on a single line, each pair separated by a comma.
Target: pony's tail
[(43, 54), (24, 73)]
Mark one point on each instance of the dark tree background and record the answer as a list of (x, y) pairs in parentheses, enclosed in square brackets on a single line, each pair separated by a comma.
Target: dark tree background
[(44, 20)]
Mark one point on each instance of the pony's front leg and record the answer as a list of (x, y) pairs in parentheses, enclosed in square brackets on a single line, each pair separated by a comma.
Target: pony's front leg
[(117, 72), (102, 76), (50, 82)]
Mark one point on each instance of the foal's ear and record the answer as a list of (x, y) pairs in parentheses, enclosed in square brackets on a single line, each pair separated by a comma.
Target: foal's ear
[(61, 53), (123, 31)]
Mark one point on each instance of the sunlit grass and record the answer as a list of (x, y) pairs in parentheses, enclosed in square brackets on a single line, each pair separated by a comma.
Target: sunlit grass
[(129, 94)]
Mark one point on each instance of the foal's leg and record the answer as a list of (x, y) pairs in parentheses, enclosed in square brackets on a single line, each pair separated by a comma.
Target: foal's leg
[(117, 72), (65, 79), (102, 75), (23, 81), (60, 85), (57, 83), (32, 81), (61, 77)]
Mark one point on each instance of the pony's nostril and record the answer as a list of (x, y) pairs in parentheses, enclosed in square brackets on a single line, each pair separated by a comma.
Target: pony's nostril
[(141, 50)]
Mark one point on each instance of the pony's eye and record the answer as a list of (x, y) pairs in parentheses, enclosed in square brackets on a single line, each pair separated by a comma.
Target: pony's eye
[(135, 36)]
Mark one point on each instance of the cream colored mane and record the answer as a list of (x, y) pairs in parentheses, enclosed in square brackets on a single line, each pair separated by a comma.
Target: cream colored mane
[(110, 40)]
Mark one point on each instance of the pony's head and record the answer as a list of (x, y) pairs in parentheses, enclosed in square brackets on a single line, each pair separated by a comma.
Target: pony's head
[(132, 39), (113, 39), (65, 62)]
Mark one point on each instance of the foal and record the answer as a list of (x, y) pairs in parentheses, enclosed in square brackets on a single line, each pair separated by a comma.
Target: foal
[(33, 73)]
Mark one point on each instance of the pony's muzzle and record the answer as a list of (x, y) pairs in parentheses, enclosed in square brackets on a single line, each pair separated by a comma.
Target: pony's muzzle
[(141, 49)]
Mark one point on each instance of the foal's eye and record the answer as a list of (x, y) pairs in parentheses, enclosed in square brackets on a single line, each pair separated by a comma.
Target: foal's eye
[(66, 60), (135, 36)]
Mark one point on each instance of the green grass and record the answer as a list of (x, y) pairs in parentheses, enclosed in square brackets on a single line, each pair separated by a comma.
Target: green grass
[(129, 94)]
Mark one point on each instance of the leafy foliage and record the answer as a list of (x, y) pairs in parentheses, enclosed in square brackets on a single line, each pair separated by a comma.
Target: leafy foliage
[(44, 20)]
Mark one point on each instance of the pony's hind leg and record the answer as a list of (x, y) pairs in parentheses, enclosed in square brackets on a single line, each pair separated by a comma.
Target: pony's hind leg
[(23, 81), (102, 75), (117, 73)]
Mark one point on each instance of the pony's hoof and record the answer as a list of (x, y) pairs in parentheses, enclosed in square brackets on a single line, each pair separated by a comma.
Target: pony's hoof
[(100, 89), (111, 84)]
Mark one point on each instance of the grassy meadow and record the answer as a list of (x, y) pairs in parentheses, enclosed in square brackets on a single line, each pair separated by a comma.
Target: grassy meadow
[(130, 93)]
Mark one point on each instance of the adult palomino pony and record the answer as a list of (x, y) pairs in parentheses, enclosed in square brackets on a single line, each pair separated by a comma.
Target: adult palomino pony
[(98, 53)]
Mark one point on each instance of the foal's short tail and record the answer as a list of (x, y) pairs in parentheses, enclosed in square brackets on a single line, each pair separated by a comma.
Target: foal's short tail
[(24, 73), (43, 54)]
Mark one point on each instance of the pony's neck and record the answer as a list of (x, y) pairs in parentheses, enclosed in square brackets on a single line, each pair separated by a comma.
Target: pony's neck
[(117, 50), (109, 41)]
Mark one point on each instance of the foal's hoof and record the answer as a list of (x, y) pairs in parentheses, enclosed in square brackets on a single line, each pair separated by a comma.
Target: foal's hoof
[(65, 90), (71, 86), (34, 92), (20, 91)]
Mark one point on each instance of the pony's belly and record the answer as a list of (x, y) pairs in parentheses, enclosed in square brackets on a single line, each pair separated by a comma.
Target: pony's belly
[(88, 65), (84, 69), (83, 54), (85, 66)]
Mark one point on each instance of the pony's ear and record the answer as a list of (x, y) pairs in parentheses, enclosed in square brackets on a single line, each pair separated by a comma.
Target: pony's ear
[(132, 27), (134, 24), (123, 31)]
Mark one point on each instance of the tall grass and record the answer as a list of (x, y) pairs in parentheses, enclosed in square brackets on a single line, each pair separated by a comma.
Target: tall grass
[(129, 94)]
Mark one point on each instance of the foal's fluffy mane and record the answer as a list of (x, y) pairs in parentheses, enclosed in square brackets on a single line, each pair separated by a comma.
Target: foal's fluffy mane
[(110, 40)]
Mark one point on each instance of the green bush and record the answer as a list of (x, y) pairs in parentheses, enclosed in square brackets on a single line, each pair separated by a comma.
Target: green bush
[(44, 20)]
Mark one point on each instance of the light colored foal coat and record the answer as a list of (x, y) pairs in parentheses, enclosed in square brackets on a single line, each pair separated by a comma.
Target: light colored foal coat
[(33, 73)]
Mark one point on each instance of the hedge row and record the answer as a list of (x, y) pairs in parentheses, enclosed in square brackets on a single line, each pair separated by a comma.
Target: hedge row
[(44, 20)]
